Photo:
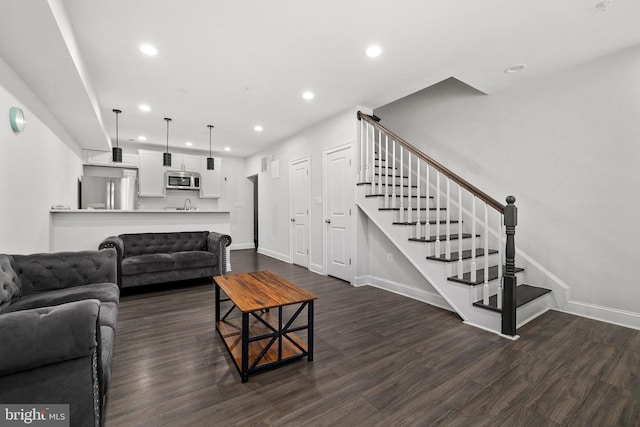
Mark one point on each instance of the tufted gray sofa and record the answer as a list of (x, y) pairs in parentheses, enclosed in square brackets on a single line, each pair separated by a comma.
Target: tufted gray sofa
[(58, 315), (147, 258)]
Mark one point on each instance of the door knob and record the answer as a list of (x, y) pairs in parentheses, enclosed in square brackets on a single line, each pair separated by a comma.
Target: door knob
[(293, 220), (328, 221)]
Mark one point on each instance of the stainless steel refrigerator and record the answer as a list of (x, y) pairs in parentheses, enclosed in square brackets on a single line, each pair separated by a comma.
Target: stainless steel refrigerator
[(99, 192)]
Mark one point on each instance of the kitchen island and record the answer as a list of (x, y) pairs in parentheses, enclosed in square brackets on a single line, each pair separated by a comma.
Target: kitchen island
[(81, 229)]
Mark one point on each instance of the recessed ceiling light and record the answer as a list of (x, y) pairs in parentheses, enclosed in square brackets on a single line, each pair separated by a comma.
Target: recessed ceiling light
[(257, 128), (147, 49), (188, 143), (144, 107), (373, 51), (308, 95), (515, 68), (227, 148), (142, 138)]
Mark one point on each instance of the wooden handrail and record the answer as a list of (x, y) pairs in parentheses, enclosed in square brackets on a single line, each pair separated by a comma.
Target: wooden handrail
[(460, 181)]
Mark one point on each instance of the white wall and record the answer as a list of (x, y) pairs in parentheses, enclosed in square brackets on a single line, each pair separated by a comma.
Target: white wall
[(273, 200), (38, 168), (567, 146)]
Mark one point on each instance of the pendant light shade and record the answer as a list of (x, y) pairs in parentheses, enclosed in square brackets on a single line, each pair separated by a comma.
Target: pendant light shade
[(166, 157), (211, 162), (116, 152)]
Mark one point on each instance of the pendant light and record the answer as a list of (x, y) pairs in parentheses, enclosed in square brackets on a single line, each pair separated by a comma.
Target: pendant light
[(166, 157), (116, 152), (211, 162)]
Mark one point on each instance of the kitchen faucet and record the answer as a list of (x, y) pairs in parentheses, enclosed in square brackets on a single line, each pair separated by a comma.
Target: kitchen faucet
[(187, 204)]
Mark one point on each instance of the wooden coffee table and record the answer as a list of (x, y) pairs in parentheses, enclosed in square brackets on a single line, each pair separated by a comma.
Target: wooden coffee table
[(259, 340)]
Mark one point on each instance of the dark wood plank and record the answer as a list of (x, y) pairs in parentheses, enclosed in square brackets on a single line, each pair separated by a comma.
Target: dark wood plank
[(379, 359)]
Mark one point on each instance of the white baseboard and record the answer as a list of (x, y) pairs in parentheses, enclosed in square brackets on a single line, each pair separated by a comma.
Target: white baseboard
[(240, 246), (274, 254), (402, 289), (316, 268), (605, 314)]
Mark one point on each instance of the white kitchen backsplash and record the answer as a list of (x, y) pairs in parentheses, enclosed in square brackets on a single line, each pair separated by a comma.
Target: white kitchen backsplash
[(176, 199)]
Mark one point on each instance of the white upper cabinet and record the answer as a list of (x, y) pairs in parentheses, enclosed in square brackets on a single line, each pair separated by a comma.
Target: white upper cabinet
[(185, 162), (211, 179), (103, 158), (150, 174)]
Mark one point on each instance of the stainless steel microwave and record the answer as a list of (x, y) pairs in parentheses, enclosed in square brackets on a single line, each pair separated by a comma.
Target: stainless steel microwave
[(176, 180)]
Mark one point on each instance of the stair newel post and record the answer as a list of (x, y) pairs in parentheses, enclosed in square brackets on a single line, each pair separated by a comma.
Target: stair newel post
[(473, 239), (510, 280), (401, 211), (437, 244), (409, 190), (500, 262), (393, 171), (427, 226), (418, 214), (386, 171), (460, 266), (485, 287)]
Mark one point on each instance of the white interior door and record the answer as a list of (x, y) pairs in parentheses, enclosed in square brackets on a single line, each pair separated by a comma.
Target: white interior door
[(338, 180), (299, 197)]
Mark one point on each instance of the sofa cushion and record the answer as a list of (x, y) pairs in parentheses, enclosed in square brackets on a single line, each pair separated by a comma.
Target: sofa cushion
[(142, 264), (10, 283), (153, 243), (59, 270), (105, 292), (194, 259)]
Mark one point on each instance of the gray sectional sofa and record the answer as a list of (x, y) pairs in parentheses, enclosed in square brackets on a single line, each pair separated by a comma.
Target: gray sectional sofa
[(58, 316), (148, 258)]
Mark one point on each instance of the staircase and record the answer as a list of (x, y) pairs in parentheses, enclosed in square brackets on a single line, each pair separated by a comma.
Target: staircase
[(459, 238)]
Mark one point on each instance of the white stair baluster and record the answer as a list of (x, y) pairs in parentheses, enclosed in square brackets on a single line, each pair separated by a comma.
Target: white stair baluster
[(485, 288), (401, 211), (427, 227), (373, 161), (380, 165), (448, 225), (361, 173), (473, 239), (460, 266), (418, 225), (437, 245), (393, 171), (386, 171), (409, 191)]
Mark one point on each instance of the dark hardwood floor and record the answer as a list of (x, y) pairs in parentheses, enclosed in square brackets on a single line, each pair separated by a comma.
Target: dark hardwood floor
[(380, 360)]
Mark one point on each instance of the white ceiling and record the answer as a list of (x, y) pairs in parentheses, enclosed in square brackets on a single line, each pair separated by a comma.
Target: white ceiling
[(235, 64)]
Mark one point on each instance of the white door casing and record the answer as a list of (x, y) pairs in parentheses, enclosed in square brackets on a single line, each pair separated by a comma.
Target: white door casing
[(338, 210), (299, 194)]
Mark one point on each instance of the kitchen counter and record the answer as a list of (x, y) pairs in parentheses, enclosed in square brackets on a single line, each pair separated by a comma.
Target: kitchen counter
[(142, 211), (80, 229)]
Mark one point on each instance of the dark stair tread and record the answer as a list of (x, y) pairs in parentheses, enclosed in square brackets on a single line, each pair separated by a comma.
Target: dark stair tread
[(493, 275), (390, 185), (465, 255), (397, 195), (524, 294), (423, 222), (413, 209), (392, 175), (443, 237)]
